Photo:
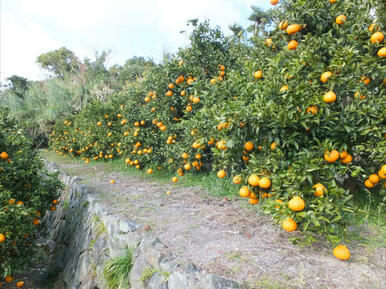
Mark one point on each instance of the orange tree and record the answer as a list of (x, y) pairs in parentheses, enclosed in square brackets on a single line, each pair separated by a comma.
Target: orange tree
[(25, 196), (317, 113), (297, 117)]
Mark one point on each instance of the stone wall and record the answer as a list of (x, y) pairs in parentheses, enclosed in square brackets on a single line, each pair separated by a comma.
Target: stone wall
[(84, 233)]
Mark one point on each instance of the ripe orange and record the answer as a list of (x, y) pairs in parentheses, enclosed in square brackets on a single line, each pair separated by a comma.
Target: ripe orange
[(150, 171), (2, 238), (340, 19), (319, 185), (253, 180), (313, 109), (8, 279), (237, 179), (248, 146), (332, 1), (365, 80), (258, 74), (174, 179), (4, 156), (369, 184), (377, 37), (284, 88), (373, 26), (221, 174), (296, 204), (293, 29), (171, 86), (343, 154), (184, 155), (112, 182), (196, 145), (20, 284), (341, 252), (283, 25), (268, 42), (253, 201), (382, 174), (279, 202), (325, 76), (187, 166), (331, 157), (292, 45), (244, 192), (374, 179), (319, 191), (347, 159), (289, 225), (273, 145), (169, 93), (196, 99), (382, 52), (274, 2), (329, 97), (265, 183)]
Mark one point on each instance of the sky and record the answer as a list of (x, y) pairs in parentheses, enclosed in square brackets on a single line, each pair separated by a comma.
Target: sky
[(128, 28)]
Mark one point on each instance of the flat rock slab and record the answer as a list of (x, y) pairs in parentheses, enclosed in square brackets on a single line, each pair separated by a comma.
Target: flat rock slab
[(220, 240)]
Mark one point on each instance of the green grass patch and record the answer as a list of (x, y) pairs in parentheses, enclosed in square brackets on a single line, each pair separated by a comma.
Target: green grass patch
[(147, 274), (100, 227), (117, 270), (267, 284)]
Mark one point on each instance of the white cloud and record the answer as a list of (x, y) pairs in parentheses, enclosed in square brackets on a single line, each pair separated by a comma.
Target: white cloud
[(128, 27), (21, 44)]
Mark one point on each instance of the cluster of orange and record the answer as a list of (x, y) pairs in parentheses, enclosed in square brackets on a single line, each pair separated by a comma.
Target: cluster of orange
[(10, 279)]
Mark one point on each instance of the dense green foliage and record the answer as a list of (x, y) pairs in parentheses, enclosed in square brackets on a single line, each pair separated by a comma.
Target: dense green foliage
[(25, 195)]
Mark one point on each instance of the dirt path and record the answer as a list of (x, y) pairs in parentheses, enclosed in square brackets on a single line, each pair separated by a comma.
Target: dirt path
[(229, 238)]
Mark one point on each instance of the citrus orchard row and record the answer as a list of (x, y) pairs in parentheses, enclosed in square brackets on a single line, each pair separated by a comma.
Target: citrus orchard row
[(25, 196), (296, 119)]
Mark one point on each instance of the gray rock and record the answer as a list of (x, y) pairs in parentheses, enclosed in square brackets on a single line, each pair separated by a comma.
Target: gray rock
[(158, 281), (87, 233), (190, 268), (178, 280), (128, 226)]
